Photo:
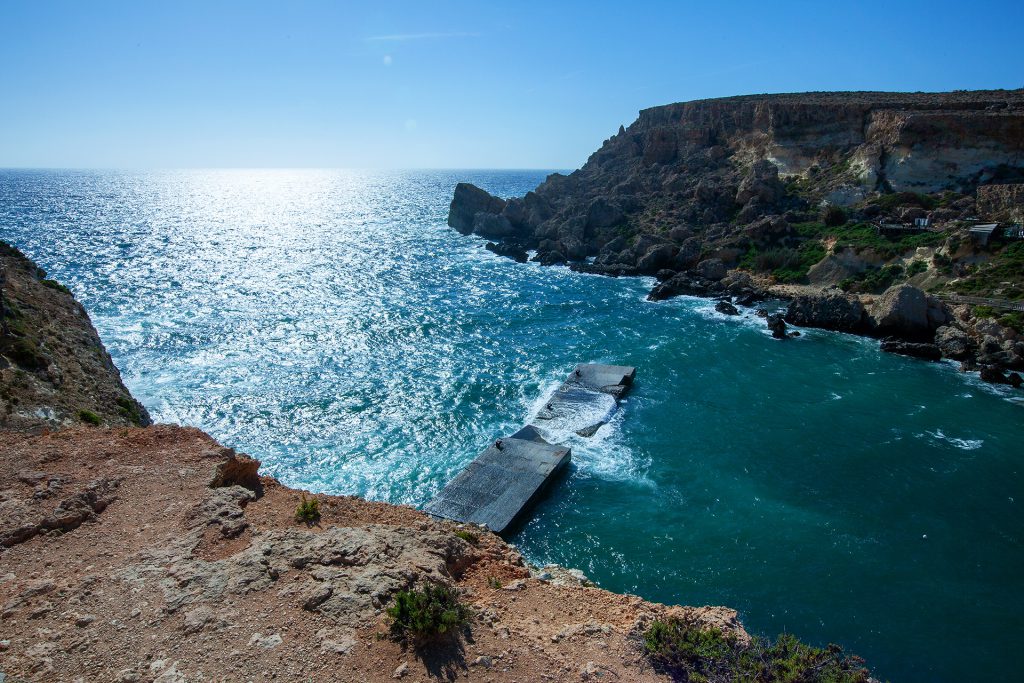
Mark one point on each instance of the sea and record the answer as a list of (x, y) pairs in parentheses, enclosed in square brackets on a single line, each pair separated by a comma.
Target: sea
[(329, 323)]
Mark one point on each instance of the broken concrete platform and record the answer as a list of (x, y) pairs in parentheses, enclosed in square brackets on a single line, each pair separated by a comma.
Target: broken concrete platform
[(586, 400), (512, 473), (502, 482)]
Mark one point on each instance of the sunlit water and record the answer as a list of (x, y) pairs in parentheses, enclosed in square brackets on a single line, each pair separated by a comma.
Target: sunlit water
[(330, 324)]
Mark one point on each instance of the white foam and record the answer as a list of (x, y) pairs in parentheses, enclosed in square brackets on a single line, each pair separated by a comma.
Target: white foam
[(963, 444)]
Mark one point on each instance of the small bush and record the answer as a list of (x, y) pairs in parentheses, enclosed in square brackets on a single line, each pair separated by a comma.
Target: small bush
[(679, 645), (24, 351), (89, 417), (468, 536), (129, 408), (693, 653), (53, 284), (874, 280), (916, 267), (1013, 320), (423, 616), (308, 511), (494, 582), (833, 216), (984, 312)]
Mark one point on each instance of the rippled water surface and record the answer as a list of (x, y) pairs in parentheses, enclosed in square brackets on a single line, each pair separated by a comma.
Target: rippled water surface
[(329, 323)]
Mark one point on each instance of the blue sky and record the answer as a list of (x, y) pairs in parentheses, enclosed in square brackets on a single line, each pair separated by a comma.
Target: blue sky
[(442, 84)]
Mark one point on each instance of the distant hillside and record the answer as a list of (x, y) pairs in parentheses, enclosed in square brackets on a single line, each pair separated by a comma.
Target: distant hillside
[(777, 184)]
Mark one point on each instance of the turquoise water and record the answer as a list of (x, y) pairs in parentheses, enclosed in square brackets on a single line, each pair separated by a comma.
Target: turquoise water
[(329, 323)]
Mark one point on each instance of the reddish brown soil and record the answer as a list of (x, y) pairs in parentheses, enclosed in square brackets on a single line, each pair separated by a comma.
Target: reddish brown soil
[(165, 581)]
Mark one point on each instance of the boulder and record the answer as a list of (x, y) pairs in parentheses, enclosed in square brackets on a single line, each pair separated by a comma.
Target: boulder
[(468, 201), (656, 258), (993, 375), (761, 183), (711, 269), (602, 213), (903, 311), (768, 229), (953, 342), (680, 234), (913, 349), (688, 254), (830, 310), (777, 325), (681, 283), (726, 308)]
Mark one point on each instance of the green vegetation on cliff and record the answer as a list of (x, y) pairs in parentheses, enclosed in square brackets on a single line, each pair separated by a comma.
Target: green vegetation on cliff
[(422, 616), (690, 652), (1002, 276)]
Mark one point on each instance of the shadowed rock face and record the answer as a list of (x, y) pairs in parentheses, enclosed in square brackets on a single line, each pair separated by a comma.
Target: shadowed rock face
[(54, 371), (706, 169)]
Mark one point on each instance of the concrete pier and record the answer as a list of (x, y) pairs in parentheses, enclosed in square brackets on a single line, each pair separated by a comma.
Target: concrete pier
[(501, 483), (586, 400), (504, 481)]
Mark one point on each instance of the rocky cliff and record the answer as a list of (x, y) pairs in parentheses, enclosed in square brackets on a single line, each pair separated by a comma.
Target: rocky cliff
[(54, 370), (705, 169), (730, 197)]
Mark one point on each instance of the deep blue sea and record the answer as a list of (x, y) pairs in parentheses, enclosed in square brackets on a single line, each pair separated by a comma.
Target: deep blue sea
[(331, 324)]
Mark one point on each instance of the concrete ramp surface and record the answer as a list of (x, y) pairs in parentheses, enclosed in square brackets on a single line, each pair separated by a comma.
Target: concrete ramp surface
[(504, 481), (501, 483)]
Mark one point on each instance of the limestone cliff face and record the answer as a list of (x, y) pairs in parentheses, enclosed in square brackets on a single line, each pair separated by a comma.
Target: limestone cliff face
[(54, 370), (705, 169)]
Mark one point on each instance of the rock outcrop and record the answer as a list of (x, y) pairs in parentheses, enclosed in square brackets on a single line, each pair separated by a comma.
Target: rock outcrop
[(54, 370), (697, 170), (830, 310), (907, 312)]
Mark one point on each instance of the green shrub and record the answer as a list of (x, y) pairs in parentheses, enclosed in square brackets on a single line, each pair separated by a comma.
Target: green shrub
[(89, 417), (833, 216), (984, 312), (423, 616), (680, 645), (24, 351), (494, 582), (873, 280), (53, 284), (308, 510), (888, 202), (1002, 277), (916, 267), (129, 409), (691, 652), (1013, 320), (468, 536)]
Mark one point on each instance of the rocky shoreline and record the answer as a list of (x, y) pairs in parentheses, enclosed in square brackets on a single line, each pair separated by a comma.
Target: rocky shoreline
[(869, 199)]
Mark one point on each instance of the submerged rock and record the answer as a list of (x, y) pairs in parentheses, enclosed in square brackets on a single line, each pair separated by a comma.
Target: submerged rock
[(777, 325), (511, 251), (726, 308)]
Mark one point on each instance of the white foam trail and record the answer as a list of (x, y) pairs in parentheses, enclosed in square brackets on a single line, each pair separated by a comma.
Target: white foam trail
[(963, 444)]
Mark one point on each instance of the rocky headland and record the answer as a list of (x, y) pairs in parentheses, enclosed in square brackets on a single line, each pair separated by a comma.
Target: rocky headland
[(137, 552), (866, 210)]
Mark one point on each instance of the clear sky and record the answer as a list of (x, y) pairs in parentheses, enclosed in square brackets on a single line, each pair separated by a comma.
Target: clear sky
[(443, 84)]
